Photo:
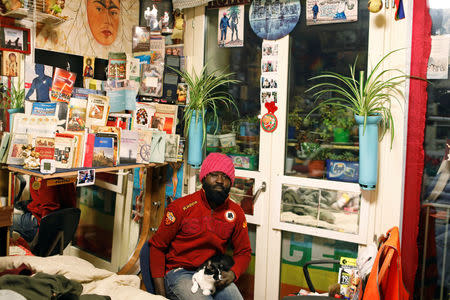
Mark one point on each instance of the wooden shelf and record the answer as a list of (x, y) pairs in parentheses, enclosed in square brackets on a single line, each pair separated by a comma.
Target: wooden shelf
[(74, 172), (19, 13)]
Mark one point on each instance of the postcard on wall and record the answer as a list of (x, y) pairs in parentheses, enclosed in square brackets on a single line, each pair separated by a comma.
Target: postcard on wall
[(438, 61), (330, 11), (117, 65), (230, 31), (88, 66), (76, 116), (141, 39), (62, 86), (11, 63), (97, 110), (38, 82)]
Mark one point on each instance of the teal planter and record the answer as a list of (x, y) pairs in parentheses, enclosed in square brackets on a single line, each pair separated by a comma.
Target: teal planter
[(195, 152), (11, 112), (368, 151)]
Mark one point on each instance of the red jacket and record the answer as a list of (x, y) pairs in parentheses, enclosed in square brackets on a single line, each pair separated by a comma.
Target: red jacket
[(191, 232), (46, 199)]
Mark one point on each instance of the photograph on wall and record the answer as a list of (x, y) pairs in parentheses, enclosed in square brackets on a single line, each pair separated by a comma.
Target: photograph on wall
[(11, 63), (230, 32), (440, 17), (157, 16), (438, 61), (269, 96), (331, 11), (88, 66), (269, 82), (38, 82), (92, 28), (269, 65), (14, 38), (273, 20)]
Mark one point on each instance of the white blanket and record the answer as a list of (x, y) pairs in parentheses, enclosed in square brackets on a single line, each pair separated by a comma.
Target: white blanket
[(94, 280)]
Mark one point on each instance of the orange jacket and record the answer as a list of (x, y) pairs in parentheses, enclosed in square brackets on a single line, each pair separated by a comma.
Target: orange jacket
[(385, 279)]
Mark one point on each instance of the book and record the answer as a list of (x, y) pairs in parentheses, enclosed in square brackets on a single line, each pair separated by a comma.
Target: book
[(64, 150), (120, 120), (82, 93), (4, 144), (129, 142), (144, 146), (18, 142), (151, 80), (76, 115), (157, 49), (116, 141), (117, 62), (78, 145), (158, 147), (141, 39), (97, 110), (143, 115), (45, 146), (171, 148), (103, 152), (88, 152), (165, 118), (43, 108), (62, 85)]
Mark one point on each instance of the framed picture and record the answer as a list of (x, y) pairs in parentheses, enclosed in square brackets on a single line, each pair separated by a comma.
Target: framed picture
[(15, 39)]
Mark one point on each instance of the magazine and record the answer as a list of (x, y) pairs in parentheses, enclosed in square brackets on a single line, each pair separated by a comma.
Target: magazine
[(103, 152), (62, 85), (16, 145), (143, 115), (45, 146), (152, 80), (43, 108), (76, 116), (117, 63), (129, 142), (171, 151), (97, 110), (144, 146)]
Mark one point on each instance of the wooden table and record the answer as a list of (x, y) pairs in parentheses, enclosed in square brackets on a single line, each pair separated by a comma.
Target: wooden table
[(154, 198)]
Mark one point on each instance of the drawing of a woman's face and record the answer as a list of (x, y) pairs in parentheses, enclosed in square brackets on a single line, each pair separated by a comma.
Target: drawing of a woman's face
[(103, 17)]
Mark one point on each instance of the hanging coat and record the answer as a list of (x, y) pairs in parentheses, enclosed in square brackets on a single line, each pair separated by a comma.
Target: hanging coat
[(385, 280)]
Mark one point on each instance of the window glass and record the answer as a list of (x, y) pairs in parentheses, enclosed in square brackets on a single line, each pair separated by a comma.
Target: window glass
[(314, 145), (324, 208), (434, 232), (298, 249), (237, 135)]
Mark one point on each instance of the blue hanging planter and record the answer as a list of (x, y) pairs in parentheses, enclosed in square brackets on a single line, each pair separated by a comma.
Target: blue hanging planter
[(195, 150), (368, 151)]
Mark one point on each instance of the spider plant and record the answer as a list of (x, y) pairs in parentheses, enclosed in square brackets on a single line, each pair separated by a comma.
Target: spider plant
[(368, 95), (206, 92), (13, 97)]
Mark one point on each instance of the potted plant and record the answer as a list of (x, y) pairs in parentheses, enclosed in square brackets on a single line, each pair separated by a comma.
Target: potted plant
[(337, 123), (316, 164), (13, 100), (369, 97), (206, 92)]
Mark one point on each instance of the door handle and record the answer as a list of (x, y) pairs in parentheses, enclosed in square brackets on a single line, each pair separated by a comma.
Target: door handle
[(262, 188)]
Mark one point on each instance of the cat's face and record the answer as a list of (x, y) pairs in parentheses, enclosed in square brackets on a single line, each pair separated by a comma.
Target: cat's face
[(214, 269)]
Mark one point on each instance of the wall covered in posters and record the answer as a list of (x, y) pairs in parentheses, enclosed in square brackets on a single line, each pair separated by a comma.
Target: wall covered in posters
[(93, 27)]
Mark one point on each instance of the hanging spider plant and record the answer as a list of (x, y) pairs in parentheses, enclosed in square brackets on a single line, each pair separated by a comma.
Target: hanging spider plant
[(206, 92), (368, 95)]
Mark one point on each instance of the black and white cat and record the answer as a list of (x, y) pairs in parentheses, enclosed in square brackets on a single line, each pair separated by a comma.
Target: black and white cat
[(210, 272)]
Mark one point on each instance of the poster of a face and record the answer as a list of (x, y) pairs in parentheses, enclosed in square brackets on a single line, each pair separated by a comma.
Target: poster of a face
[(230, 32), (331, 11), (271, 20), (93, 27)]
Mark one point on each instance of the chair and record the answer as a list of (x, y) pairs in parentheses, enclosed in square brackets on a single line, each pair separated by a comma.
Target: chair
[(56, 231), (144, 261), (309, 282)]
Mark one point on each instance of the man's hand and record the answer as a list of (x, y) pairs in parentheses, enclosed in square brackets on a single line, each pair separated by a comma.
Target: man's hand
[(227, 278), (159, 286)]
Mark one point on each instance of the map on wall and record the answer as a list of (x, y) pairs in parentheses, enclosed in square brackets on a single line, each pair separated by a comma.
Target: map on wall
[(93, 28)]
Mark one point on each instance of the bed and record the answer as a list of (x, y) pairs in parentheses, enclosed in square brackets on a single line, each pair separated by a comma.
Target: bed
[(93, 280)]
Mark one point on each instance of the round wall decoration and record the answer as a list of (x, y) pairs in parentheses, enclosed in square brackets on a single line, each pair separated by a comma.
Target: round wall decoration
[(272, 20)]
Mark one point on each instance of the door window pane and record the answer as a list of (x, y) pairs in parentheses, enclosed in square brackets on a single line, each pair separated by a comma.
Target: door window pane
[(323, 208), (237, 135), (329, 136), (297, 249)]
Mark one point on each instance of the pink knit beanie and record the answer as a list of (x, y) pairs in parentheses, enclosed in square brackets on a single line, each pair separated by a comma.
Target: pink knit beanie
[(217, 162)]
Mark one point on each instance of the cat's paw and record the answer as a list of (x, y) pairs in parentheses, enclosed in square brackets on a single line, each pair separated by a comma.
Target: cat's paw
[(206, 292), (194, 288)]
